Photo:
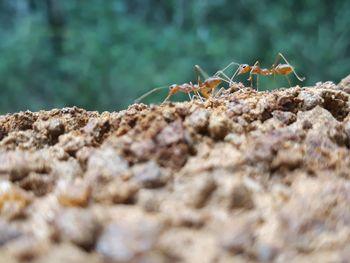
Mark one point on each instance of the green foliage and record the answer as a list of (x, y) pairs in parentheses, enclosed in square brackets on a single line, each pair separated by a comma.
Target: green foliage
[(101, 55)]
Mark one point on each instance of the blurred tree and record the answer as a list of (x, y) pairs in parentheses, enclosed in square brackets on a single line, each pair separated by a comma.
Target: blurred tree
[(56, 24)]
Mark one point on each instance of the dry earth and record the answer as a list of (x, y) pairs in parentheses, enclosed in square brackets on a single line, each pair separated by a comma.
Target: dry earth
[(245, 177)]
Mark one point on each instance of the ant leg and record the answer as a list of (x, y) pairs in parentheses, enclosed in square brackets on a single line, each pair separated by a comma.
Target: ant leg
[(222, 72), (295, 74), (212, 93), (277, 59), (167, 98), (198, 96), (189, 95), (234, 75), (200, 71), (251, 73), (288, 80), (257, 82), (219, 92), (221, 75), (251, 80), (199, 82), (229, 65)]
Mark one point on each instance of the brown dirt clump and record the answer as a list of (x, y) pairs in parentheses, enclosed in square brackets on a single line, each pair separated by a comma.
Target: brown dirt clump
[(246, 176)]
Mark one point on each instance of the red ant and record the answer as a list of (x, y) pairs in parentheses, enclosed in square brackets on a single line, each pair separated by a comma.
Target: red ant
[(280, 69), (205, 88)]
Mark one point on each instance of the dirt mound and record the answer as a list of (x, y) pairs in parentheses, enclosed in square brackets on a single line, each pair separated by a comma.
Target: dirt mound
[(246, 176)]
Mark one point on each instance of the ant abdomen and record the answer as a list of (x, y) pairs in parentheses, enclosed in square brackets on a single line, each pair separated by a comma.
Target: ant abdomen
[(283, 69)]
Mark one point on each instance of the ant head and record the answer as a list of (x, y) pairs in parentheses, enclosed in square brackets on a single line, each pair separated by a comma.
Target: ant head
[(243, 68), (213, 82), (173, 89)]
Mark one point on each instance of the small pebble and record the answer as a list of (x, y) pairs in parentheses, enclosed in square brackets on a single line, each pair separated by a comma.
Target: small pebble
[(13, 200), (73, 194), (8, 232), (200, 191), (218, 126), (26, 248), (39, 184), (241, 197), (55, 128), (123, 242), (171, 134), (78, 226), (115, 192), (106, 162), (149, 175), (198, 120)]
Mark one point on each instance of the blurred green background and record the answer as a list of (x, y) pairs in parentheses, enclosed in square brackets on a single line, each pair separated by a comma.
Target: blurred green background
[(102, 54)]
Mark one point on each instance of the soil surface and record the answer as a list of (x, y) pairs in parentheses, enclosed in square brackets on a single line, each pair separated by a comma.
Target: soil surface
[(243, 177)]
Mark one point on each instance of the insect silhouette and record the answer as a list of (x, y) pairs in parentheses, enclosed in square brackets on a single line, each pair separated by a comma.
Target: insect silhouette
[(202, 88), (276, 69)]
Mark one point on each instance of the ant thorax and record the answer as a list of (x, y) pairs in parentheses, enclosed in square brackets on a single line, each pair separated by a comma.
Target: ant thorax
[(187, 88)]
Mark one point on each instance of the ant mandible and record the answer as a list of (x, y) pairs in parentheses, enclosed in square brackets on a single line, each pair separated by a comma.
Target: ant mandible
[(205, 88), (279, 69)]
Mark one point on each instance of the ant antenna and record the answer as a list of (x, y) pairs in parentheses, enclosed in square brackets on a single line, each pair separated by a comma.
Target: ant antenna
[(167, 97), (149, 93), (234, 75)]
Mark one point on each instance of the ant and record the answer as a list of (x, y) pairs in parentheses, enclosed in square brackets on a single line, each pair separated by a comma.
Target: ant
[(205, 88), (279, 69)]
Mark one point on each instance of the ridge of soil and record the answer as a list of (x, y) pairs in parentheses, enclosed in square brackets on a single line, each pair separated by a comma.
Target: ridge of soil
[(246, 176)]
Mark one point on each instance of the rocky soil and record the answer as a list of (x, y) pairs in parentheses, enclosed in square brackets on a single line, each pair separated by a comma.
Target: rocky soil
[(244, 177)]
